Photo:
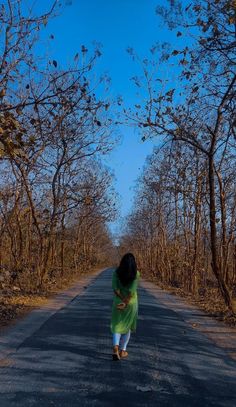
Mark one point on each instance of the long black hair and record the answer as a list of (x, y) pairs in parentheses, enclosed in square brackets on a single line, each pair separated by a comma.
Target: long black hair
[(127, 269)]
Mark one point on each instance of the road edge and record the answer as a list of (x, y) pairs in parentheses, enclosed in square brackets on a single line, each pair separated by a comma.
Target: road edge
[(221, 334), (14, 335)]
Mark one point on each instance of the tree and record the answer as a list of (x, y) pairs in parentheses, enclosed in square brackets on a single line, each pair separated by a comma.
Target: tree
[(53, 129), (202, 114)]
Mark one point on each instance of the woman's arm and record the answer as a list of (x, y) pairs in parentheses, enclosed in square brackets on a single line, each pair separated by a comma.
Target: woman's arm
[(127, 299), (118, 294)]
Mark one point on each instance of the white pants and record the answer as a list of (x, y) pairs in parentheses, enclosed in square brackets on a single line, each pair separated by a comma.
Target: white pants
[(121, 340)]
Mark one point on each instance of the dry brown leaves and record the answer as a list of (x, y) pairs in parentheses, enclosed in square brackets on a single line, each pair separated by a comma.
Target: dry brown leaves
[(14, 305)]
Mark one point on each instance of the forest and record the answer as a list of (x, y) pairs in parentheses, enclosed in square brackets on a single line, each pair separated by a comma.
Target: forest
[(183, 226), (56, 194)]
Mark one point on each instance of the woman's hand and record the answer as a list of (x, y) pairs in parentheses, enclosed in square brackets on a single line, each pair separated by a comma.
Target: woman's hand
[(121, 306)]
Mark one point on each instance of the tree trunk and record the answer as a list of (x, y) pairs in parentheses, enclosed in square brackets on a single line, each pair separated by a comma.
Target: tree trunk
[(215, 263)]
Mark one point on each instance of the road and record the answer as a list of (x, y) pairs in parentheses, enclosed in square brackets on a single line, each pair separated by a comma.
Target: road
[(67, 361)]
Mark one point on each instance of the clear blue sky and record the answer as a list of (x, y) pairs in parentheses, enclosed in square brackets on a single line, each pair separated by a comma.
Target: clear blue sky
[(116, 24)]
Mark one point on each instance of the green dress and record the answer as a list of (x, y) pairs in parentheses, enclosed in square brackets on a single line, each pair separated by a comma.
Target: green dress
[(124, 320)]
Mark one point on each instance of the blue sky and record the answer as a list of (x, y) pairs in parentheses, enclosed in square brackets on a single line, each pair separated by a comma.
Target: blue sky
[(116, 24)]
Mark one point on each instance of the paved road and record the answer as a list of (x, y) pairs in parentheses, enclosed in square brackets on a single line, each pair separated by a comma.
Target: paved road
[(67, 361)]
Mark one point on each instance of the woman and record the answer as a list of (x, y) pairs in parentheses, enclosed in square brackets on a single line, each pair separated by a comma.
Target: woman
[(125, 304)]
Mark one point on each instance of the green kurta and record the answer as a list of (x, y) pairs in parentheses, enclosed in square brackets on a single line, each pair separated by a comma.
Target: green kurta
[(124, 320)]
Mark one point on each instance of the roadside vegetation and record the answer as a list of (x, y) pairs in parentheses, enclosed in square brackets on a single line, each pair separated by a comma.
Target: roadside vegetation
[(183, 224), (56, 196)]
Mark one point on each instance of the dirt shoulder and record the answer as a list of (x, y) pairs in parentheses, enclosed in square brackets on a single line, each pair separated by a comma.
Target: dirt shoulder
[(221, 330), (15, 304), (209, 301), (14, 334)]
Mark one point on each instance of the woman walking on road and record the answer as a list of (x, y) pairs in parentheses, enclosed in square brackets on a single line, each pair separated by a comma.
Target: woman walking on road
[(125, 304)]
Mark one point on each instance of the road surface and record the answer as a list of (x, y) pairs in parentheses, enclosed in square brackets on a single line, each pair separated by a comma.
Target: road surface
[(67, 361)]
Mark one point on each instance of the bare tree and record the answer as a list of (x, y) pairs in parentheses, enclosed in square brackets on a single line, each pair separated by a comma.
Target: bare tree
[(53, 129), (201, 115)]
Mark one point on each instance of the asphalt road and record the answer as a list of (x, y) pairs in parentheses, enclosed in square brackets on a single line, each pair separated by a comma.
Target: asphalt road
[(67, 361)]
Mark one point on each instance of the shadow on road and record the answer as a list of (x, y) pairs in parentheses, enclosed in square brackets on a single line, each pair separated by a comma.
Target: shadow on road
[(67, 362)]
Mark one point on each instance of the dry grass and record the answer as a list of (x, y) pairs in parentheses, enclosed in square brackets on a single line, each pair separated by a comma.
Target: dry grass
[(16, 304)]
